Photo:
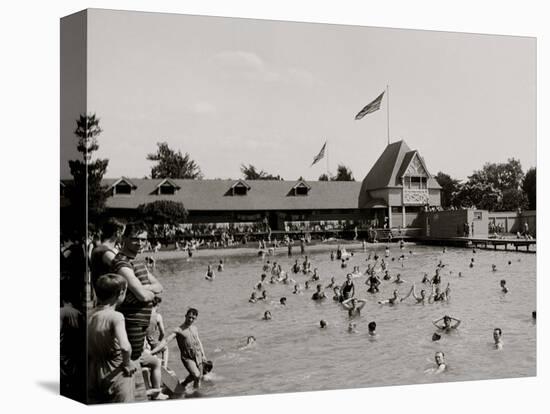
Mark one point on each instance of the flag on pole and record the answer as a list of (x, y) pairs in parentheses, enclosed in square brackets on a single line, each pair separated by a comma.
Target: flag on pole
[(373, 106), (321, 154)]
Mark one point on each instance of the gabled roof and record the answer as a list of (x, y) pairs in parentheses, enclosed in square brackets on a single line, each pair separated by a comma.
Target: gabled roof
[(168, 181), (210, 195), (126, 180), (384, 171), (240, 183), (391, 165), (301, 183)]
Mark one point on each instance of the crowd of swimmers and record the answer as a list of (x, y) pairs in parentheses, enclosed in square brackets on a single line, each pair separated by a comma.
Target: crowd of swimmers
[(126, 334), (377, 273)]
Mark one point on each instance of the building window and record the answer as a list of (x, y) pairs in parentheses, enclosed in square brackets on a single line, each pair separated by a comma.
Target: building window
[(239, 190), (301, 191), (167, 189), (123, 188)]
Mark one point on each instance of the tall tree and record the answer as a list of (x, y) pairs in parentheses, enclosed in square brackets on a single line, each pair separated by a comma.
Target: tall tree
[(172, 164), (480, 195), (163, 213), (448, 187), (86, 191), (324, 177), (250, 172), (494, 187), (343, 173), (529, 187), (502, 176)]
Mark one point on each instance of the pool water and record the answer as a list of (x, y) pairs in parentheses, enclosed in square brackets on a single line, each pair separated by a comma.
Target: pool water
[(292, 353)]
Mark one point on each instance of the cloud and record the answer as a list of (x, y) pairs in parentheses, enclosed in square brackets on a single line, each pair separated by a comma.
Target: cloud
[(247, 64), (239, 63)]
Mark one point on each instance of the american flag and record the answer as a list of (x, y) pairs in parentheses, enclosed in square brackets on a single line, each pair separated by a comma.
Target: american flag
[(320, 155), (373, 106)]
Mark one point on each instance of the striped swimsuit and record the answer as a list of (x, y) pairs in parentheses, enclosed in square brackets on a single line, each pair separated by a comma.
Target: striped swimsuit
[(137, 314)]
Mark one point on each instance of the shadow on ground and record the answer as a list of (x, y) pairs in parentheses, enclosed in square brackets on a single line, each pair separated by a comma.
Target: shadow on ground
[(52, 386)]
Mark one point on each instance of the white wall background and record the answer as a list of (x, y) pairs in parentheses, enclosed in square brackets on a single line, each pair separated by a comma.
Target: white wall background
[(29, 99)]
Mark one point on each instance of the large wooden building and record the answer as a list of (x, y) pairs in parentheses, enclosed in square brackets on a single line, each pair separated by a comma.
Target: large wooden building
[(392, 194)]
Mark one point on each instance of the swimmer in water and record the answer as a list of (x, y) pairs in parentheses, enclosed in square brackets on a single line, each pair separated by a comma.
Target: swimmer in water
[(534, 315), (220, 266), (503, 286), (440, 361), (319, 294), (436, 337), (267, 316), (337, 296), (387, 275), (395, 299), (264, 296), (494, 267), (447, 325), (497, 336), (348, 288), (306, 285), (332, 283), (426, 279), (343, 264), (354, 306), (253, 298), (260, 284), (372, 329), (282, 301), (250, 341), (436, 280), (332, 255), (322, 324), (210, 275), (460, 274), (419, 299), (296, 290), (398, 279), (472, 262), (373, 282), (315, 276), (351, 327)]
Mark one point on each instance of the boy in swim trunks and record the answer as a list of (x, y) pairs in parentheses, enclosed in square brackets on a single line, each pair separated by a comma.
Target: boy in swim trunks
[(192, 352)]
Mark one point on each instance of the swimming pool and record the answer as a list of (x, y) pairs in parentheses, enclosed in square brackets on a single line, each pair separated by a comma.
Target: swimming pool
[(291, 352)]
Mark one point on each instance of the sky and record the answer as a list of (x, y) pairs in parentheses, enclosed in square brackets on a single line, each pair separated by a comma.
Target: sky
[(240, 91)]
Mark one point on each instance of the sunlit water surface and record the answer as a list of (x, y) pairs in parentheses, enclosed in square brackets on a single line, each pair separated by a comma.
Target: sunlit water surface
[(293, 354)]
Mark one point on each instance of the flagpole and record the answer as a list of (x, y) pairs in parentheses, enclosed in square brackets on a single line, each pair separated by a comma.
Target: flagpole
[(388, 110)]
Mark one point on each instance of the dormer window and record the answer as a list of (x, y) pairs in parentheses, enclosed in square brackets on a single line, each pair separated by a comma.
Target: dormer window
[(300, 189), (240, 188), (123, 186), (166, 187)]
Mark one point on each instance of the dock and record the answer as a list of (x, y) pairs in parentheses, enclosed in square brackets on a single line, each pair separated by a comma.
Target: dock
[(481, 242)]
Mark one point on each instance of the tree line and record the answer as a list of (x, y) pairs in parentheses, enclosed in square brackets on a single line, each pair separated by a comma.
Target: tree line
[(496, 187)]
